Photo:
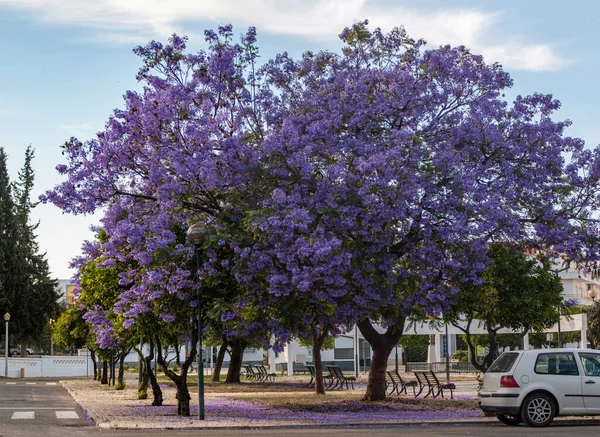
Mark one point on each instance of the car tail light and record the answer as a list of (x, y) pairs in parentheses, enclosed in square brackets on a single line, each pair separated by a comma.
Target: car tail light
[(508, 382)]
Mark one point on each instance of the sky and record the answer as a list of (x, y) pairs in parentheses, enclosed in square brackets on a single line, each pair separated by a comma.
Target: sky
[(66, 64)]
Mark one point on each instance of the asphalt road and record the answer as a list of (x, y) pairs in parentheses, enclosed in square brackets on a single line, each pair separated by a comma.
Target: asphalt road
[(487, 430), (44, 408), (36, 405)]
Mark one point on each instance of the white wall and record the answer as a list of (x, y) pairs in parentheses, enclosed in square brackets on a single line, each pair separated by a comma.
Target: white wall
[(47, 366)]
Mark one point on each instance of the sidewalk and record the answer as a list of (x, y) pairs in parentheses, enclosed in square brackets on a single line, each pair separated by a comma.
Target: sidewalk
[(109, 408)]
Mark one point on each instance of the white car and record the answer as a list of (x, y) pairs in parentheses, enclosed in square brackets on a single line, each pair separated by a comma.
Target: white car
[(534, 386), (17, 351)]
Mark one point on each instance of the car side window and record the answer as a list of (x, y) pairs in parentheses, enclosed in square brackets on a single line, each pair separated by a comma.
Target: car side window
[(556, 364), (590, 363)]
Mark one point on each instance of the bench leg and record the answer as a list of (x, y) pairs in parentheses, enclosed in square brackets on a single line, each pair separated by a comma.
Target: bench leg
[(392, 390)]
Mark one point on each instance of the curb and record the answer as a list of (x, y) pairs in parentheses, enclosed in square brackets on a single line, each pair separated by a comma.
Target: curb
[(93, 416)]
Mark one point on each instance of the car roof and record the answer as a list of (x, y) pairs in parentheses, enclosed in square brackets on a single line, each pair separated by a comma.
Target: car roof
[(556, 350)]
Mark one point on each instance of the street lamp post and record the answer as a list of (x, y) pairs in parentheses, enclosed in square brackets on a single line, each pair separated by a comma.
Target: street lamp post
[(447, 356), (51, 323), (6, 319), (558, 339), (356, 351), (195, 235)]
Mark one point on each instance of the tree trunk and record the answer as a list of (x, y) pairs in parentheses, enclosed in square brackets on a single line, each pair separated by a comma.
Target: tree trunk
[(93, 358), (104, 372), (120, 385), (216, 376), (493, 353), (382, 345), (183, 394), (143, 384), (111, 377), (157, 396), (317, 341), (183, 398), (235, 365), (148, 375), (99, 364)]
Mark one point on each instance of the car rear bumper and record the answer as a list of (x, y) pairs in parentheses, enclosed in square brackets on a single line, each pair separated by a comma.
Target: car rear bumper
[(505, 403), (512, 410)]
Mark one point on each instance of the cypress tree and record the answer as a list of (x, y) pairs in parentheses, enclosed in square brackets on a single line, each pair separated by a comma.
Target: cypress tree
[(8, 262), (35, 300)]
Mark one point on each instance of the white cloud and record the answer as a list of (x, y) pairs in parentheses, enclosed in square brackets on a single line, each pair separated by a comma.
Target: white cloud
[(80, 130), (136, 21)]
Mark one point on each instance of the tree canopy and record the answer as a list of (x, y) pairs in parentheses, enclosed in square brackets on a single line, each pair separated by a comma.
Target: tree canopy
[(345, 187), (518, 292)]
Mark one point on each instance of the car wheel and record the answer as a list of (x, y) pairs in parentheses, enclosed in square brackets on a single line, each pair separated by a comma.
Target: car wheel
[(538, 410), (509, 419)]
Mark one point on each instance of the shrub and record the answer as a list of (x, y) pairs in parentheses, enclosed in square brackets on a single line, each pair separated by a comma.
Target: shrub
[(460, 355)]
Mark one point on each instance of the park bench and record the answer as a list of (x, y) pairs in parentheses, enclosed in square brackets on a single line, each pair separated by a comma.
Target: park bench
[(281, 367), (339, 378), (251, 375), (263, 375), (437, 386), (327, 381), (298, 367), (422, 382), (399, 385)]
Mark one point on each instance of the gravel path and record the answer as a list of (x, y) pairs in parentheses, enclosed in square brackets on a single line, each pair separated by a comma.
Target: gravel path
[(110, 408)]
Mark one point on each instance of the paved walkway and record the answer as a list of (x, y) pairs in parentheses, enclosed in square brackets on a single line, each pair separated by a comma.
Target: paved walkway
[(109, 408)]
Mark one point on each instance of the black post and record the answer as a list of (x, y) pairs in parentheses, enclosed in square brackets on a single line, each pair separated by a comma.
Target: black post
[(356, 351), (447, 356), (559, 345), (200, 364)]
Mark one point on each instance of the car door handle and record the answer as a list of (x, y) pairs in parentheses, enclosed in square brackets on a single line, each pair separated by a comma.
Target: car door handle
[(590, 382)]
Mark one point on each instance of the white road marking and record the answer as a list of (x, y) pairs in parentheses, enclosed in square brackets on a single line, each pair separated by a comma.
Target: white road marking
[(11, 383), (33, 408), (30, 383), (67, 415), (23, 415), (51, 383)]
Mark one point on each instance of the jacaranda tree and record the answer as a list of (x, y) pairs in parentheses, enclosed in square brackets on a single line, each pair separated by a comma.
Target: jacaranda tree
[(397, 167), (182, 151), (352, 186)]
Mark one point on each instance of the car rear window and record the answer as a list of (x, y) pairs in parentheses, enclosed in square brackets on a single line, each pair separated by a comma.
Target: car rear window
[(503, 363)]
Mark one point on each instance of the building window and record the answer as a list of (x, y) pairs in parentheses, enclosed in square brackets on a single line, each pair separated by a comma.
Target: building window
[(343, 353)]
